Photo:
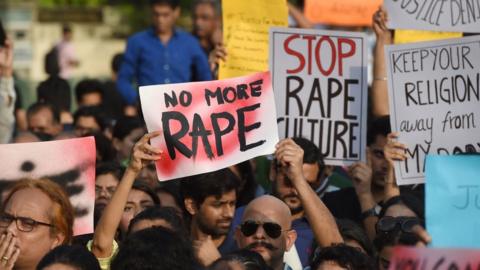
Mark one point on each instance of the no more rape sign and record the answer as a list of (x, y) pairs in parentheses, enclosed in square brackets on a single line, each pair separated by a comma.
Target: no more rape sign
[(320, 84), (211, 125)]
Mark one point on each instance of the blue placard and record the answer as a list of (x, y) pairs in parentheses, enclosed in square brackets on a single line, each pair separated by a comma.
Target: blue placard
[(453, 200)]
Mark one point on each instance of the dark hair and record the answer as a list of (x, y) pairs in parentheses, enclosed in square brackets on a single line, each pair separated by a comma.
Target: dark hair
[(311, 153), (172, 3), (125, 125), (345, 256), (249, 259), (248, 187), (169, 214), (154, 249), (352, 231), (104, 146), (88, 86), (171, 187), (213, 3), (66, 28), (216, 183), (409, 200), (111, 167), (55, 91), (36, 107), (378, 126), (75, 255), (139, 185), (91, 111), (117, 61)]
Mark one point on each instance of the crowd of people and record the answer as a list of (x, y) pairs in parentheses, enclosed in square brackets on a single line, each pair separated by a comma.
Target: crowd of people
[(286, 212)]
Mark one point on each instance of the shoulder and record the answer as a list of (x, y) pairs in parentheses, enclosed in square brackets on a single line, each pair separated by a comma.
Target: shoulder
[(185, 36), (139, 35)]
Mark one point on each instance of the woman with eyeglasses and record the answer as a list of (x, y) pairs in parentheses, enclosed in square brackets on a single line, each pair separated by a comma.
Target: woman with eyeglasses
[(36, 217)]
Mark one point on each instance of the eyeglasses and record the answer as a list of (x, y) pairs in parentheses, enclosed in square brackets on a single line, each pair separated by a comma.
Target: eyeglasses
[(249, 227), (24, 224), (388, 224)]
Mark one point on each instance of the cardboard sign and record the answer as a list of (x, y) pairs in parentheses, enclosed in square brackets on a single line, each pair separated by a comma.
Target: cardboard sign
[(320, 84), (453, 187), (208, 126), (410, 258), (341, 12), (70, 163), (434, 92), (409, 36), (434, 15), (245, 34)]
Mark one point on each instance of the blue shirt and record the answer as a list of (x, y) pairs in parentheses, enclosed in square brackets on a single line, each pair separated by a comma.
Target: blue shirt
[(149, 61)]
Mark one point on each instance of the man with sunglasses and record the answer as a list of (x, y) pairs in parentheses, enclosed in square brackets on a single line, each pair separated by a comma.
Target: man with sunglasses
[(297, 209), (266, 229)]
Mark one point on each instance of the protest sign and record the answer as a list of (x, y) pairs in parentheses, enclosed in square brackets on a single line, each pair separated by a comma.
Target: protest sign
[(453, 187), (409, 36), (434, 99), (70, 163), (320, 84), (411, 258), (434, 15), (208, 126), (341, 12), (245, 34)]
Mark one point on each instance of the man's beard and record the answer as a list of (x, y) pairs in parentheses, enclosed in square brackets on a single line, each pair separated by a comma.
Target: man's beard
[(293, 210), (211, 230)]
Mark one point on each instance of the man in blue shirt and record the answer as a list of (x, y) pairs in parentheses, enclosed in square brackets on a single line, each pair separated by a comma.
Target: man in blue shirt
[(161, 54)]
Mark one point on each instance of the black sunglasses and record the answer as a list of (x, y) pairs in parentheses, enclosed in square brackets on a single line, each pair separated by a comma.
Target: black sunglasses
[(249, 227), (388, 224)]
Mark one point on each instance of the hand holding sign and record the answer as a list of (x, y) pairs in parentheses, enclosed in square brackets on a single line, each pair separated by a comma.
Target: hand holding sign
[(208, 126), (290, 156), (380, 18), (143, 153)]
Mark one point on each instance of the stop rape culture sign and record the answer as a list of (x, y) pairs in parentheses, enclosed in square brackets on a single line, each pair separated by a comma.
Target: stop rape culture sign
[(320, 84), (210, 125)]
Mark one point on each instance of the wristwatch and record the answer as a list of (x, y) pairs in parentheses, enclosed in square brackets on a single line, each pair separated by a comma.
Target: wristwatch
[(372, 212)]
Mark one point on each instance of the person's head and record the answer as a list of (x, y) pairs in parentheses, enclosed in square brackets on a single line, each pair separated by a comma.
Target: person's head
[(89, 92), (44, 118), (266, 229), (341, 257), (210, 201), (108, 176), (205, 18), (104, 146), (89, 120), (314, 171), (353, 235), (397, 219), (240, 260), (66, 257), (247, 184), (157, 216), (154, 248), (39, 214), (67, 32), (169, 195), (55, 91), (126, 132), (376, 141), (164, 14), (139, 198)]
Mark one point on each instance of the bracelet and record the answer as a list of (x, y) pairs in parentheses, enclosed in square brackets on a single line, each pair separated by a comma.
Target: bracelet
[(380, 79)]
